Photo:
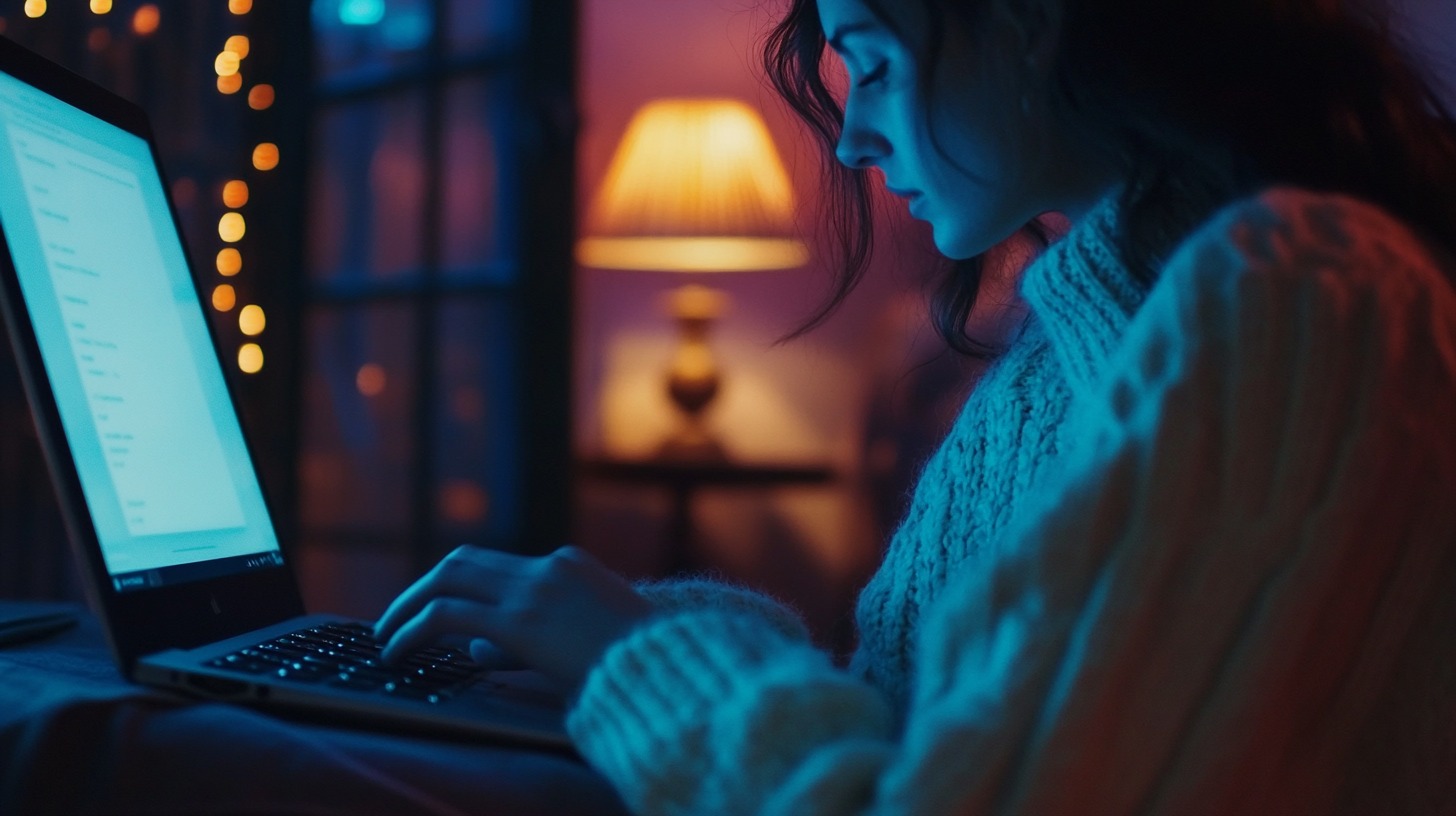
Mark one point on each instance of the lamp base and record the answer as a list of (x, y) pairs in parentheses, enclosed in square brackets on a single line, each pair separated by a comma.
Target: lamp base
[(692, 447), (693, 379)]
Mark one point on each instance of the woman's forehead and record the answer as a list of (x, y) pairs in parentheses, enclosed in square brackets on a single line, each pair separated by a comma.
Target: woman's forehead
[(902, 20)]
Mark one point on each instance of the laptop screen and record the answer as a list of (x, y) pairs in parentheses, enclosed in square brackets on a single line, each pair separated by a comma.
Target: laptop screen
[(156, 441)]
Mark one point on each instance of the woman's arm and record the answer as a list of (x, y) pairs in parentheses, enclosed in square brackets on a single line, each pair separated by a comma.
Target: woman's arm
[(1203, 609), (677, 595)]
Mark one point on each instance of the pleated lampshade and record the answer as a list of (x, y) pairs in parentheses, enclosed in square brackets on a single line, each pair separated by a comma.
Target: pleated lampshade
[(695, 186)]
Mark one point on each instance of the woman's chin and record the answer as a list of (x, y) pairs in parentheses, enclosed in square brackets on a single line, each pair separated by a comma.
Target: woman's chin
[(954, 244), (959, 244)]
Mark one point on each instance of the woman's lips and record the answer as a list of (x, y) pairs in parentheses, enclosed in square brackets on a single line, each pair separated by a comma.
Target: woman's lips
[(912, 198)]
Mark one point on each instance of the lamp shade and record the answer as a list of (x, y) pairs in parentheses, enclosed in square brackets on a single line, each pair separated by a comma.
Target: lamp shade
[(695, 186)]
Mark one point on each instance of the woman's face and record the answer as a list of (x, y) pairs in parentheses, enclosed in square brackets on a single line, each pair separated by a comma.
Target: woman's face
[(989, 171)]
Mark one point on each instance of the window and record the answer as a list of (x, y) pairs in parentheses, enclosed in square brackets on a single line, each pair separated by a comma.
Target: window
[(435, 310)]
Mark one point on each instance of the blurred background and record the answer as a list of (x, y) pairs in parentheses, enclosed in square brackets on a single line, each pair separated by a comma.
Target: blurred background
[(382, 200)]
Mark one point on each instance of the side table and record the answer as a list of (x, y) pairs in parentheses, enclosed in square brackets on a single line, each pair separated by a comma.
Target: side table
[(684, 478)]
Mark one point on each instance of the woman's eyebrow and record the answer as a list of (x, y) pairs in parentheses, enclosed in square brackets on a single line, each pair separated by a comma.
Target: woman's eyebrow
[(836, 37)]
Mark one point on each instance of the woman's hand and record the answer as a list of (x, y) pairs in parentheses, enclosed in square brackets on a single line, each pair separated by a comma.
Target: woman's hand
[(556, 614)]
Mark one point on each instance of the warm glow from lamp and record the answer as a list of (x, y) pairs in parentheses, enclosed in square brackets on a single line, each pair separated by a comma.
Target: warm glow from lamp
[(265, 156), (696, 185), (240, 6), (35, 8), (230, 84), (229, 262), (100, 6)]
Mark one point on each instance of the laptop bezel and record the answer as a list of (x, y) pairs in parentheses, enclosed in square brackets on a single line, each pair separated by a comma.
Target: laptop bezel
[(137, 622)]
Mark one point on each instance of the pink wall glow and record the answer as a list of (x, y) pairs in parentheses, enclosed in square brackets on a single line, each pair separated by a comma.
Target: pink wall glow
[(638, 50), (800, 402)]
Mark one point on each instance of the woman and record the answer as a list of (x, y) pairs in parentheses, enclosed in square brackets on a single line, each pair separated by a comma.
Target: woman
[(1191, 545)]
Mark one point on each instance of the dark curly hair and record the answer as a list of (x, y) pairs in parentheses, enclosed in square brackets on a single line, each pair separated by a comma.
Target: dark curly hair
[(1193, 104)]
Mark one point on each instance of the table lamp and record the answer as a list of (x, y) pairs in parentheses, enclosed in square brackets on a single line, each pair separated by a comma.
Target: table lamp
[(695, 186)]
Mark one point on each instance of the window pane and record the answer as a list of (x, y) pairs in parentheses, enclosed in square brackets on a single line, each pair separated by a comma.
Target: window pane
[(368, 192), (369, 36), (477, 175), (357, 444), (477, 449), (477, 24)]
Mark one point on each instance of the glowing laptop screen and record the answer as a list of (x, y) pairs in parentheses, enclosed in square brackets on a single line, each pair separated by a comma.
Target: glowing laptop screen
[(155, 438)]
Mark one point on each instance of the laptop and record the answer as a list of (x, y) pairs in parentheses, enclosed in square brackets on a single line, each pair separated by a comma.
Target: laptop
[(159, 491)]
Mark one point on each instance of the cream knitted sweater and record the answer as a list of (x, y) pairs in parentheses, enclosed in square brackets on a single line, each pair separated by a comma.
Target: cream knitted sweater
[(1186, 550)]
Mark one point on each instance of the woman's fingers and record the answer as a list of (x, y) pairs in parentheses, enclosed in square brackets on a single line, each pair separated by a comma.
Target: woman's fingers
[(493, 657), (468, 572), (439, 617), (556, 613)]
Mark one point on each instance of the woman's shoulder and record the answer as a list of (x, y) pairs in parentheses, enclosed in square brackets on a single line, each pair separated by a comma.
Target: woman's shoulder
[(1291, 236)]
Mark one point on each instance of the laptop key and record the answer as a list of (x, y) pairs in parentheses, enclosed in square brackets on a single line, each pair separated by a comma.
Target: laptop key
[(301, 675), (315, 641), (327, 662), (413, 693), (261, 656), (347, 656)]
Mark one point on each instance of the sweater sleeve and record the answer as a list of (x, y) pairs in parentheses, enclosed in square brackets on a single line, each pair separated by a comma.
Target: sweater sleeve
[(677, 595), (1202, 609)]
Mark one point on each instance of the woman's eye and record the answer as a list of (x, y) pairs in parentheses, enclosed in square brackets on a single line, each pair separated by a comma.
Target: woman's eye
[(875, 75)]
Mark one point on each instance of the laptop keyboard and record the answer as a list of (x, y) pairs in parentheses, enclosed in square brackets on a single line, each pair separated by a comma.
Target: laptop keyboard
[(346, 656)]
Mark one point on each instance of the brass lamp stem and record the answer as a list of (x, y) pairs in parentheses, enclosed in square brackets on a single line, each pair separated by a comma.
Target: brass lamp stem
[(693, 379)]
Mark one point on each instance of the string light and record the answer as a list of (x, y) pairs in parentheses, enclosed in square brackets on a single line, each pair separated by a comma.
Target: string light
[(229, 262), (226, 63), (224, 297), (100, 6), (371, 380), (235, 193), (35, 8), (250, 358), (260, 97), (238, 44), (265, 156), (146, 19), (251, 320), (231, 227)]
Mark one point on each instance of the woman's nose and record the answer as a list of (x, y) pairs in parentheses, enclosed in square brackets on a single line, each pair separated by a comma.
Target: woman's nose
[(860, 147)]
